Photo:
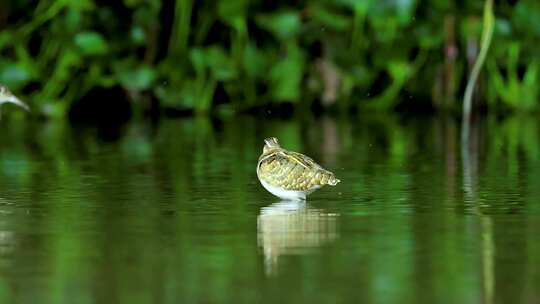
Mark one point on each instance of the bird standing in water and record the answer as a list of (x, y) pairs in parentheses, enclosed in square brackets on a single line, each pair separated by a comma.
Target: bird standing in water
[(290, 175)]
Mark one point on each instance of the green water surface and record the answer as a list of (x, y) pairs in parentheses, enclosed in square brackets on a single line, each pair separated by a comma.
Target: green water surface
[(172, 212)]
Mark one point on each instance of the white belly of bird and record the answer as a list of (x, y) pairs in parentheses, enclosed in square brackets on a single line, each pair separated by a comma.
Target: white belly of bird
[(287, 194)]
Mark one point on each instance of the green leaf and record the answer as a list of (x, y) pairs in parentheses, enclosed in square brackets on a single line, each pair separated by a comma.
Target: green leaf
[(283, 25), (139, 78), (14, 75), (326, 17), (230, 11), (503, 27), (215, 60), (526, 17), (73, 20), (399, 70), (197, 60), (254, 62), (221, 66), (404, 9), (286, 76), (137, 35), (91, 43)]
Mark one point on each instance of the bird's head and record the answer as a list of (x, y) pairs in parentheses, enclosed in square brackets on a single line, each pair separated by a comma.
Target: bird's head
[(270, 144)]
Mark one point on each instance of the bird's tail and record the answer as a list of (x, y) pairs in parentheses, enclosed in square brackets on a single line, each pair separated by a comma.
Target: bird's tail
[(332, 180)]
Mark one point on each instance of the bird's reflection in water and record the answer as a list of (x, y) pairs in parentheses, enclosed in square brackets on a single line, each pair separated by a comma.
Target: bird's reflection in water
[(7, 238), (292, 228)]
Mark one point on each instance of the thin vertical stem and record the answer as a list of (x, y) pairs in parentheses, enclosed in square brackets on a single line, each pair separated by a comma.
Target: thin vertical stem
[(487, 34), (181, 28)]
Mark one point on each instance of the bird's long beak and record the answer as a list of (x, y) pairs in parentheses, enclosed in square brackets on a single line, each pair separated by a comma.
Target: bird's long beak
[(14, 100)]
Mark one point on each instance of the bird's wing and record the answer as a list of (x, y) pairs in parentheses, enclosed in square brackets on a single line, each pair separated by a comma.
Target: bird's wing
[(302, 160)]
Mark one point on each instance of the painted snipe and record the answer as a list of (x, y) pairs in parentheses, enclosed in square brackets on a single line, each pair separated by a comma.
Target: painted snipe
[(290, 175)]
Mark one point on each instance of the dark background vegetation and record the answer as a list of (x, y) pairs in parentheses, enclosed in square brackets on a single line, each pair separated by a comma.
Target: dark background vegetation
[(96, 58)]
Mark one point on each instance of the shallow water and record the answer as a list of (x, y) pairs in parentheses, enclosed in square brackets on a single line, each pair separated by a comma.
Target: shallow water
[(172, 212)]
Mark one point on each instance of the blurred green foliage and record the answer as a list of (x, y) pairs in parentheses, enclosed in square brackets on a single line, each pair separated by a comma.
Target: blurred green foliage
[(236, 55)]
